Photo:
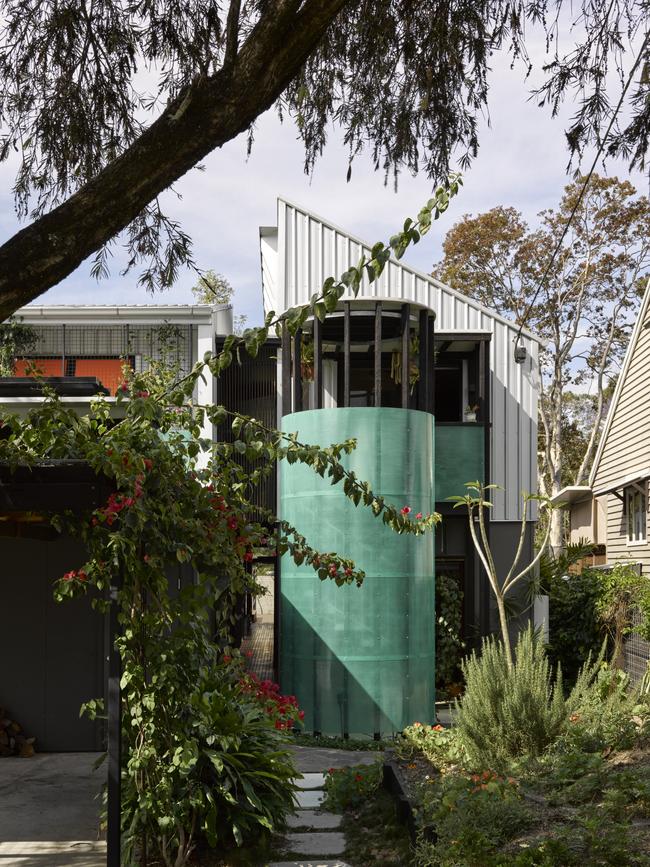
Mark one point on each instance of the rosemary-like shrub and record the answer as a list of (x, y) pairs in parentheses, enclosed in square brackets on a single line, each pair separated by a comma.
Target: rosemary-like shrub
[(508, 713)]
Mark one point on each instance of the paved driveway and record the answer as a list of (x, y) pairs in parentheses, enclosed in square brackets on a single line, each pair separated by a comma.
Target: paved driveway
[(50, 809)]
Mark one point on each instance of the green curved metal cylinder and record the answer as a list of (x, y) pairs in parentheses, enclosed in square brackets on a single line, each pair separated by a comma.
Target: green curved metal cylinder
[(361, 659)]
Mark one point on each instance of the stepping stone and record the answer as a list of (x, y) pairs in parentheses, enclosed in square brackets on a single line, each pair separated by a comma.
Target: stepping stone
[(309, 799), (316, 863), (317, 821), (311, 781), (315, 843)]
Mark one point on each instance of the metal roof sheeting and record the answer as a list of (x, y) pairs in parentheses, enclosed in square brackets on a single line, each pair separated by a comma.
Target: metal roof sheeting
[(305, 250)]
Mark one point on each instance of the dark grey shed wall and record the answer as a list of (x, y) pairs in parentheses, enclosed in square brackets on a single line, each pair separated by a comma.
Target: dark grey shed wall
[(504, 538), (51, 655)]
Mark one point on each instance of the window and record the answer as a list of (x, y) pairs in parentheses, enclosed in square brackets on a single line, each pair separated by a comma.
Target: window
[(635, 509)]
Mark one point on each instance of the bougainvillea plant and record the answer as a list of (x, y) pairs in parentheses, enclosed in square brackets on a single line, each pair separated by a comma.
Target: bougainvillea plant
[(202, 757)]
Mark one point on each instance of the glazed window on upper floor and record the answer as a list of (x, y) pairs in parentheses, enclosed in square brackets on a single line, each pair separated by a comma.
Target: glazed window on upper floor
[(636, 511)]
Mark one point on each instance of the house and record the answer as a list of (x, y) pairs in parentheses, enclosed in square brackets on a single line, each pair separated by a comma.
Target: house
[(58, 652), (424, 378), (611, 511)]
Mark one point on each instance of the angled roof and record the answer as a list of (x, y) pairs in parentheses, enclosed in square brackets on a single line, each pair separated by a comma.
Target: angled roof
[(398, 281)]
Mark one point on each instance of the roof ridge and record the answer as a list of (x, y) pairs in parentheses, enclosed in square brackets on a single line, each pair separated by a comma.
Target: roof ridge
[(421, 274)]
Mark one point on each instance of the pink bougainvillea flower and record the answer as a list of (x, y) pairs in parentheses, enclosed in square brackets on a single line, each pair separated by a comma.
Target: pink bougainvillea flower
[(419, 516), (405, 510)]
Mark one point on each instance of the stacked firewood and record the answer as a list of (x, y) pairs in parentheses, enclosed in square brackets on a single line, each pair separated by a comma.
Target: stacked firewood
[(13, 742)]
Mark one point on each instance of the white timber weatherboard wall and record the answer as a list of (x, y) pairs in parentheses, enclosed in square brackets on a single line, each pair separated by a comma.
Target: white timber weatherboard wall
[(624, 450), (303, 250)]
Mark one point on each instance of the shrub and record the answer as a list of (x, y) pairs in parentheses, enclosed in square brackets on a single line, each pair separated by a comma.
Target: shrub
[(215, 762), (439, 745), (472, 816), (351, 786), (449, 615), (504, 713), (575, 629)]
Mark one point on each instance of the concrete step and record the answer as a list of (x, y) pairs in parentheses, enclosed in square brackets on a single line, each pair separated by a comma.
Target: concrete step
[(310, 863), (316, 863), (315, 820), (309, 799), (310, 781), (316, 843)]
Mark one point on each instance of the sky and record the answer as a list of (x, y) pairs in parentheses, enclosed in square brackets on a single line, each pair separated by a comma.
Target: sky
[(522, 162)]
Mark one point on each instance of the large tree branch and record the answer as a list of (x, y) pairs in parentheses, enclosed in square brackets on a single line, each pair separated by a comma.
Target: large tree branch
[(212, 111)]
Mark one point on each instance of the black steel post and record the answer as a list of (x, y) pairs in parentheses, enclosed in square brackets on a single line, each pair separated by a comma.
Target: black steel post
[(286, 370), (425, 361), (378, 354), (346, 353), (297, 370), (114, 807), (431, 382), (318, 363), (406, 354)]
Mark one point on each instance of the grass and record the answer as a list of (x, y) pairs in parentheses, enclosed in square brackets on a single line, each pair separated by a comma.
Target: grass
[(339, 743)]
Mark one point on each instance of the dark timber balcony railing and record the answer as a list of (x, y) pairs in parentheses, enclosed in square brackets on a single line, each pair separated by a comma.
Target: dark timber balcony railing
[(384, 323)]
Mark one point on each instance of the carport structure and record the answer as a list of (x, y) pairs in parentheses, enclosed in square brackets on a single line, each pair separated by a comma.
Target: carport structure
[(56, 657)]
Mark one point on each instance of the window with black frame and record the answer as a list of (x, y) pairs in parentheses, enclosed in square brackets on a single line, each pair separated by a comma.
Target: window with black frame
[(635, 510)]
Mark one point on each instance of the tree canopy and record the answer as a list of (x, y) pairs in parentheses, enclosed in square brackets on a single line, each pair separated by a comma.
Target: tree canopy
[(584, 308), (109, 103)]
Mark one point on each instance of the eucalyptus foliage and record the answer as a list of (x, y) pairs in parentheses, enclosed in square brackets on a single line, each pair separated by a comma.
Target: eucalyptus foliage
[(201, 758), (109, 103)]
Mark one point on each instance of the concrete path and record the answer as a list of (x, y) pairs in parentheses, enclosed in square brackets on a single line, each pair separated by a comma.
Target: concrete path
[(314, 835), (50, 811)]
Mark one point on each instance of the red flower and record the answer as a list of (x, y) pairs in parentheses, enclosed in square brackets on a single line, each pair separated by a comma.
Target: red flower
[(232, 523), (333, 569), (227, 658), (301, 714), (419, 516), (143, 394), (358, 778), (406, 510), (148, 463), (248, 556)]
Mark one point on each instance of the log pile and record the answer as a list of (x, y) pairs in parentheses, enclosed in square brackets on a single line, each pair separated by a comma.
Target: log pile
[(13, 742)]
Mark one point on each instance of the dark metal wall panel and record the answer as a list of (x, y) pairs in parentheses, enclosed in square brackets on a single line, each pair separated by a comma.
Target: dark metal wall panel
[(250, 388), (52, 653)]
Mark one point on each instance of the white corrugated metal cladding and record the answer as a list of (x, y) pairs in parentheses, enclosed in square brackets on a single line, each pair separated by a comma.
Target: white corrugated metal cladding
[(303, 250)]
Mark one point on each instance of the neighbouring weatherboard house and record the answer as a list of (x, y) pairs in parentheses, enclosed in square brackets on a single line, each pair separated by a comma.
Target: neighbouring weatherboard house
[(611, 511), (426, 381)]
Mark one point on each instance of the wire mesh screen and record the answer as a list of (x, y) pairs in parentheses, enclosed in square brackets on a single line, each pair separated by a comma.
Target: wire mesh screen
[(636, 652), (102, 350)]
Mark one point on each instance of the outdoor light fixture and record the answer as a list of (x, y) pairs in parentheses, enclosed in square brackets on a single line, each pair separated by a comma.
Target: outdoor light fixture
[(520, 354)]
